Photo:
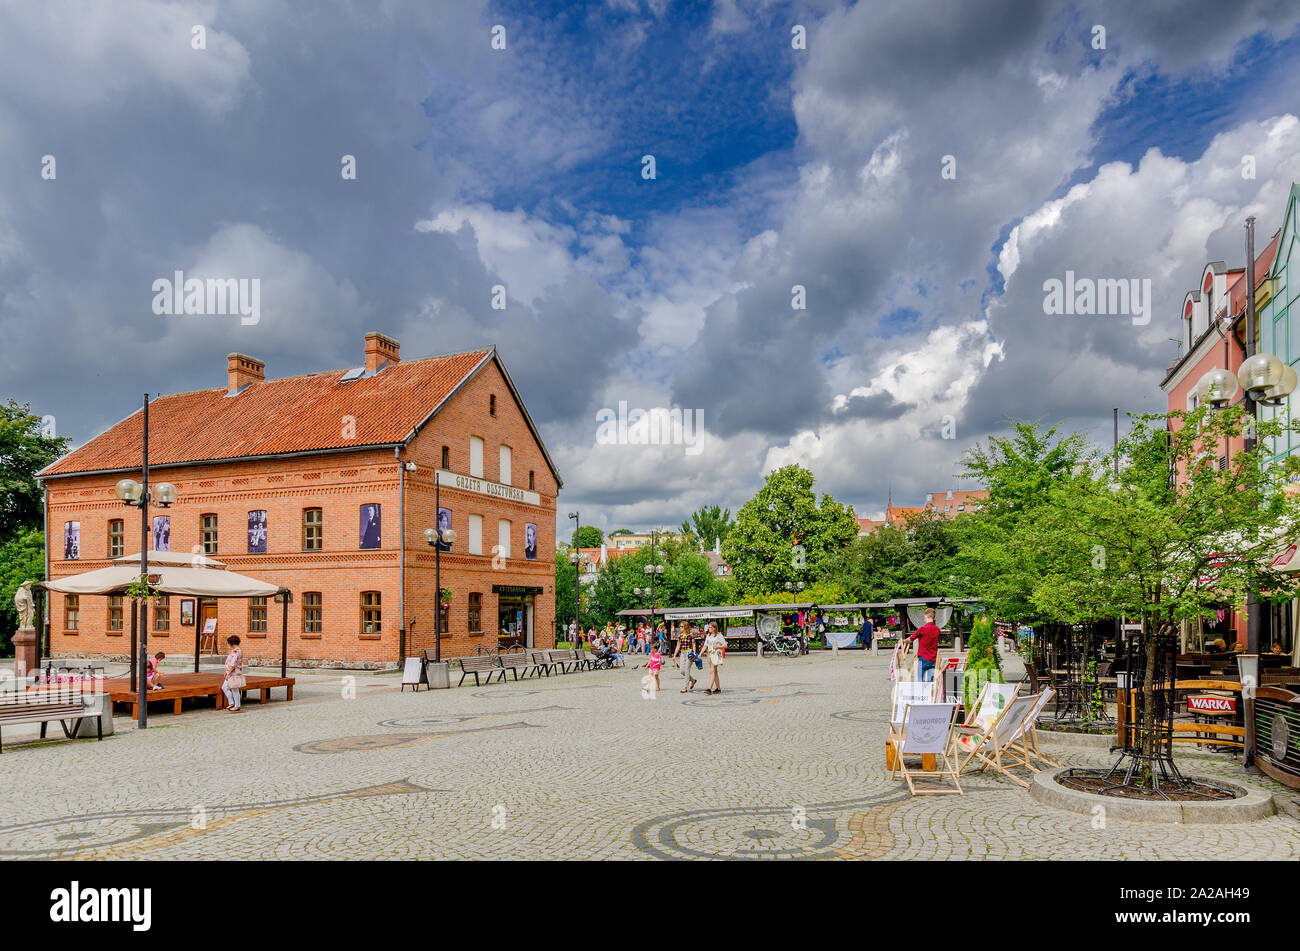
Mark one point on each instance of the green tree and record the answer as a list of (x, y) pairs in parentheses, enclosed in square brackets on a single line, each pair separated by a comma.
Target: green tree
[(565, 578), (708, 524), (588, 536), (916, 560), (784, 534), (22, 558), (1021, 474), (1165, 549), (25, 450)]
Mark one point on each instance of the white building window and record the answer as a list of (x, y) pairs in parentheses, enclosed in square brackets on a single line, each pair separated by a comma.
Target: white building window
[(476, 534), (505, 466), (503, 537), (476, 457)]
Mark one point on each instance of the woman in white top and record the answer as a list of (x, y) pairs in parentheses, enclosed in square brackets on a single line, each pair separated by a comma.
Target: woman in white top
[(714, 646)]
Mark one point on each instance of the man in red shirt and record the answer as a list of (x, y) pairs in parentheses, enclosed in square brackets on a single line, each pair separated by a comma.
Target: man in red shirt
[(927, 650)]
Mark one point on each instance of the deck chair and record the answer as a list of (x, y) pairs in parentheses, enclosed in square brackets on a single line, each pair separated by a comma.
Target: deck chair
[(905, 692), (981, 720), (998, 747), (909, 691), (927, 730), (1028, 740)]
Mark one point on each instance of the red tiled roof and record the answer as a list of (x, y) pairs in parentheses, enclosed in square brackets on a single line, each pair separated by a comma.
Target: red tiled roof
[(290, 414)]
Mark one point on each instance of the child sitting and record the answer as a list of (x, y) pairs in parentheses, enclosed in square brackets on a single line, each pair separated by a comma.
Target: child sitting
[(154, 678)]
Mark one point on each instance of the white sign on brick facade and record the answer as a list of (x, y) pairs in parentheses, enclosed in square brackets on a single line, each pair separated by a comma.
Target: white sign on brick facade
[(456, 480)]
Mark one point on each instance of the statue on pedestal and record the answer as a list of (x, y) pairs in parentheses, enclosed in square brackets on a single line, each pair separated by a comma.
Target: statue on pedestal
[(26, 606)]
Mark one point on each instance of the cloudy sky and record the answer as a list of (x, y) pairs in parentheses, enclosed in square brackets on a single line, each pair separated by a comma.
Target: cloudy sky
[(918, 169)]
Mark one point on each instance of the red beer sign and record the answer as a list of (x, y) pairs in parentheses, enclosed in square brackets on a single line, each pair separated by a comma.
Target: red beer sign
[(1210, 704)]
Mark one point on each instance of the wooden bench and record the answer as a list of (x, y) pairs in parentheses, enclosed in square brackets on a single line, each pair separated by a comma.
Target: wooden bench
[(480, 664), (518, 661), (542, 659), (561, 660), (43, 711), (581, 659)]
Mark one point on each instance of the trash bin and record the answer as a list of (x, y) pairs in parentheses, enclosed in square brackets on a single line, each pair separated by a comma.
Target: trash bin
[(102, 702), (438, 674)]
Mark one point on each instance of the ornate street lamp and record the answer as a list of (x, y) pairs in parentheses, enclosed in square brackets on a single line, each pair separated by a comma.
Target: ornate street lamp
[(1217, 387), (437, 538), (138, 494)]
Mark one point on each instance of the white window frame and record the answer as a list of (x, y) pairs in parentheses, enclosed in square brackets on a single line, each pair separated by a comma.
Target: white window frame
[(503, 475), (476, 456), (476, 534), (503, 537)]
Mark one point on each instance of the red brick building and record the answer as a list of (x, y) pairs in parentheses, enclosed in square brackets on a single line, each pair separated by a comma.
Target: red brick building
[(324, 484)]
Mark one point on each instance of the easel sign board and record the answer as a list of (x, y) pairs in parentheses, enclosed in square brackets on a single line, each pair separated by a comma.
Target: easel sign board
[(210, 626), (413, 672)]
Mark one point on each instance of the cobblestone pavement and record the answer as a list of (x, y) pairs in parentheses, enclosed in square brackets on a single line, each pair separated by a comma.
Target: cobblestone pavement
[(787, 763)]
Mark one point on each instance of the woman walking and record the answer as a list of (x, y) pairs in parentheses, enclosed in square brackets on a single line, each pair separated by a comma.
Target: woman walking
[(684, 654), (715, 646), (234, 683)]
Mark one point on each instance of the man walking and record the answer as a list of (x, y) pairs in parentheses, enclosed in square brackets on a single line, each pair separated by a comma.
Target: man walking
[(864, 635)]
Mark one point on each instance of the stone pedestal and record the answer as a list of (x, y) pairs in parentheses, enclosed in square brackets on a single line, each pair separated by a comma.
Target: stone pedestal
[(24, 651)]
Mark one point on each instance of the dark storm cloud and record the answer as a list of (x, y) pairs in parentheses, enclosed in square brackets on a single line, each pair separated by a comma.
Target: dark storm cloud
[(230, 157)]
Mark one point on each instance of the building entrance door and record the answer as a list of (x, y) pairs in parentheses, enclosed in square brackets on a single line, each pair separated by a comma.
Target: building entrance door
[(208, 626), (513, 614)]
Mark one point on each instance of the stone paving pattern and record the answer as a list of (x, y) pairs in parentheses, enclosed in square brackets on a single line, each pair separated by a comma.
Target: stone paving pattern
[(787, 763)]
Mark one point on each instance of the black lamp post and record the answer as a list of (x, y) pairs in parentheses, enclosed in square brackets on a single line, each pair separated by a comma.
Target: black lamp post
[(437, 538), (575, 559), (135, 493)]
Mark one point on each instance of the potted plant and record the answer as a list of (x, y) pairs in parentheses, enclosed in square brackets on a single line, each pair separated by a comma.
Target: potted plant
[(983, 665)]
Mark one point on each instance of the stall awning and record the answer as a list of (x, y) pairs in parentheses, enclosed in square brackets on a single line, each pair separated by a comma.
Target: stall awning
[(1288, 560), (175, 573)]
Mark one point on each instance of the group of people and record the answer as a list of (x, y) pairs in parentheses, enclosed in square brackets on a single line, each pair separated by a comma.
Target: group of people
[(691, 647)]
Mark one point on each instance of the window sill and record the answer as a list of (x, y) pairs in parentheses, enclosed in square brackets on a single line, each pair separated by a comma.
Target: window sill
[(67, 633), (312, 637), (256, 636), (370, 637), (114, 633)]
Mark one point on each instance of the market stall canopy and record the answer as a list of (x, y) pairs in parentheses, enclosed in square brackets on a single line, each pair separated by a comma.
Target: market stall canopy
[(1288, 559), (176, 573)]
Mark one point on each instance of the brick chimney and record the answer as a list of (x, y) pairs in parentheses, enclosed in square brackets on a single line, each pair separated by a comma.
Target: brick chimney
[(380, 349), (242, 370)]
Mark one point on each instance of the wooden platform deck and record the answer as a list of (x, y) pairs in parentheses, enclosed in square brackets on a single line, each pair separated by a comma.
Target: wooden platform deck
[(178, 687)]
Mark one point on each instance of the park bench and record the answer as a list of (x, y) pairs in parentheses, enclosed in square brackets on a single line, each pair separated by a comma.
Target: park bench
[(562, 660), (44, 710), (487, 664), (518, 661), (543, 661)]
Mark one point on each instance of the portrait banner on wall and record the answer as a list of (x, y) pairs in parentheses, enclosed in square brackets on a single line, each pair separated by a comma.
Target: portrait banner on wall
[(71, 540), (257, 532), (162, 533), (370, 525), (530, 541), (444, 524)]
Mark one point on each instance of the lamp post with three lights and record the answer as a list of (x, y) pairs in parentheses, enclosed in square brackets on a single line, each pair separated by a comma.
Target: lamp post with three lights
[(138, 494)]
